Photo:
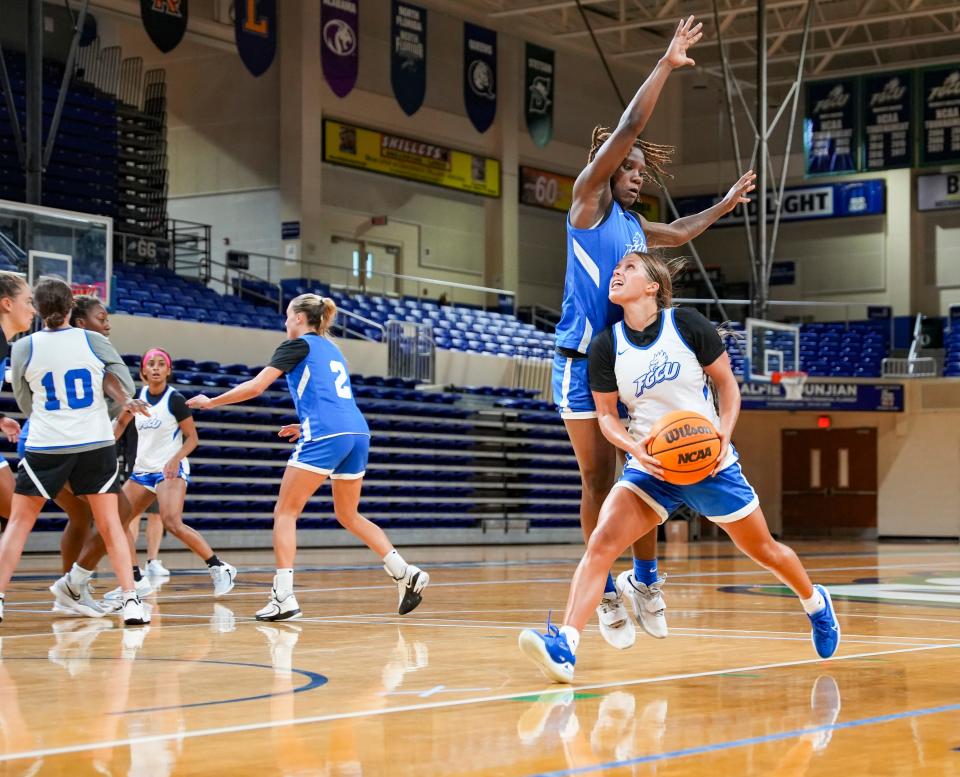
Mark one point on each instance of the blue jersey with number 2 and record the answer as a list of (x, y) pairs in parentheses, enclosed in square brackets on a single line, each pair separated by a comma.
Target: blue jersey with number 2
[(322, 394)]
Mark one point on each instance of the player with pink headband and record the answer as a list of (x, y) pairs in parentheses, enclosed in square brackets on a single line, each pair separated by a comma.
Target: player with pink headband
[(161, 471)]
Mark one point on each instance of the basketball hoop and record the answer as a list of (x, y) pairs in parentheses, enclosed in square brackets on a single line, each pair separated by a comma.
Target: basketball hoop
[(792, 382)]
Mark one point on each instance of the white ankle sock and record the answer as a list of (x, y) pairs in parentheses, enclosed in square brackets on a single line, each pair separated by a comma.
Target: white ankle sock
[(814, 604), (283, 581), (80, 576), (573, 637), (394, 564)]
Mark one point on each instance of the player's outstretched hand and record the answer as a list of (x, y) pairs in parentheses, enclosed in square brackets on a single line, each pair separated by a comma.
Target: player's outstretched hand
[(290, 432), (10, 429), (650, 464), (199, 402), (739, 191), (685, 37), (137, 407)]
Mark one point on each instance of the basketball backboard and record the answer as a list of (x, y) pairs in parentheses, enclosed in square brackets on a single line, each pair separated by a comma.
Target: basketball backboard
[(77, 247), (772, 347)]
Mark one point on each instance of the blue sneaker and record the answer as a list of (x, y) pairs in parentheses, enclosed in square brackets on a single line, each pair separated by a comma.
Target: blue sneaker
[(826, 627), (550, 652)]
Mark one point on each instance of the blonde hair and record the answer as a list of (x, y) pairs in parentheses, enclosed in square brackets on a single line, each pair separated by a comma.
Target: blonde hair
[(11, 283), (662, 272), (319, 311), (656, 156)]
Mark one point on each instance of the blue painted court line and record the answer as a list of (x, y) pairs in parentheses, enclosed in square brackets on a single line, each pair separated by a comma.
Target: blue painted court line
[(734, 743), (314, 680)]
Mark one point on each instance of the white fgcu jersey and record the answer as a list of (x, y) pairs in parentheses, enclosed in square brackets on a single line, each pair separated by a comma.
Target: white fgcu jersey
[(660, 378), (158, 437), (66, 380)]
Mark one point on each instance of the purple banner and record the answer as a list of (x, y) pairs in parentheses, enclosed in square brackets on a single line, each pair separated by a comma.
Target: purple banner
[(340, 44), (480, 75), (255, 29)]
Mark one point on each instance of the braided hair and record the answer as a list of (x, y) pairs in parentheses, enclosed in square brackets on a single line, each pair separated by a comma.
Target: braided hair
[(657, 156)]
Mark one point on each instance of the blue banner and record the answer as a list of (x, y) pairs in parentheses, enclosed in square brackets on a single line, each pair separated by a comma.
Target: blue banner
[(831, 134), (255, 29), (538, 87), (408, 55), (165, 22), (819, 396), (783, 274), (887, 120), (940, 116), (480, 75), (800, 203)]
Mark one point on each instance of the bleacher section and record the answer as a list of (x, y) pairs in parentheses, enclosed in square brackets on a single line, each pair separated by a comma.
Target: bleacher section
[(852, 349), (82, 174), (460, 458)]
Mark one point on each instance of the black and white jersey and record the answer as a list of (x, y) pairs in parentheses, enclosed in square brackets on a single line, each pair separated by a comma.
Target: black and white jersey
[(662, 375)]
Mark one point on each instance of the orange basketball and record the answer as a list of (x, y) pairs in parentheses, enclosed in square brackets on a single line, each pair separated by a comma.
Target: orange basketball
[(687, 446)]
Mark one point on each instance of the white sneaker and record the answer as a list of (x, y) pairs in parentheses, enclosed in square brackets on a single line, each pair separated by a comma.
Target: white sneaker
[(132, 641), (223, 576), (647, 601), (223, 620), (615, 625), (277, 609), (282, 641), (70, 601), (156, 569), (144, 589), (410, 586), (135, 612)]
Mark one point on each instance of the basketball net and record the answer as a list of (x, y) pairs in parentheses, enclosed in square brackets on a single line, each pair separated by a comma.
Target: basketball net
[(792, 382)]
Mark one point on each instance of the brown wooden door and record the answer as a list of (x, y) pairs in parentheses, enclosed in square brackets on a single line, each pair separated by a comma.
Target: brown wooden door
[(829, 482)]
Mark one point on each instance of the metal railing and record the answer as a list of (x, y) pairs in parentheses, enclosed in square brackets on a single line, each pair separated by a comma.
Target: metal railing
[(410, 351), (377, 282), (345, 318), (914, 366), (533, 373)]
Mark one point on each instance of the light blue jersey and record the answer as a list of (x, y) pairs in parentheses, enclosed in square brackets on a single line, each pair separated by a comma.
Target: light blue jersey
[(591, 256), (319, 384)]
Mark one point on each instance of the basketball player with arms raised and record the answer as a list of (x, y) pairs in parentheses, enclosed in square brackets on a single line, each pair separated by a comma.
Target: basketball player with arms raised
[(601, 228), (688, 359)]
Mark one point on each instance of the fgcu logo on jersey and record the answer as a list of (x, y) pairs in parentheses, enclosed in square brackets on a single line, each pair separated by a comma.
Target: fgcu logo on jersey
[(638, 246), (661, 370), (150, 423)]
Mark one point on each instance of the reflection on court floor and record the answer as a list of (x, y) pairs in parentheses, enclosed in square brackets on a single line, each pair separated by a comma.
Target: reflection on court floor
[(354, 689)]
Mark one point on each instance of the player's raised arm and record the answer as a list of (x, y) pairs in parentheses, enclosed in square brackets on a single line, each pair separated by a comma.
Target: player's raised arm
[(683, 230), (245, 391), (591, 191)]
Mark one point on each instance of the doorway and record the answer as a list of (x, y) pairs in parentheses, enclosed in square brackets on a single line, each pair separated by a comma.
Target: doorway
[(829, 481), (371, 264)]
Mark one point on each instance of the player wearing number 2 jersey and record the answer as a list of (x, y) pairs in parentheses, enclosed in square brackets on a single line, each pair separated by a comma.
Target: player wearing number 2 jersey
[(333, 441)]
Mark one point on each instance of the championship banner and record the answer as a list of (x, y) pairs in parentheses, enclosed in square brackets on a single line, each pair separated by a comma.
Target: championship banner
[(938, 192), (850, 397), (538, 89), (165, 22), (255, 30), (940, 116), (480, 75), (887, 110), (830, 132), (408, 55), (413, 160), (340, 44), (801, 203)]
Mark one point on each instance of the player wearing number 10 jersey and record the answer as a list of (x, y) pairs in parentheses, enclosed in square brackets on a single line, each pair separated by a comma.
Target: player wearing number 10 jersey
[(333, 441)]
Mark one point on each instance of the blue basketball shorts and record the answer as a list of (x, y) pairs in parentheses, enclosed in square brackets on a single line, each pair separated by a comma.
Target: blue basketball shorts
[(150, 480), (342, 457), (724, 498), (571, 389)]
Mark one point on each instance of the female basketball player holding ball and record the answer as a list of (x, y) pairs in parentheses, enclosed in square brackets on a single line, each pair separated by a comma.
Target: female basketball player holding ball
[(333, 441), (601, 228), (683, 351)]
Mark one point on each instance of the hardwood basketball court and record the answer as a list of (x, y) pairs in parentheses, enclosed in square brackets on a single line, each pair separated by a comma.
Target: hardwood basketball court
[(353, 689)]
